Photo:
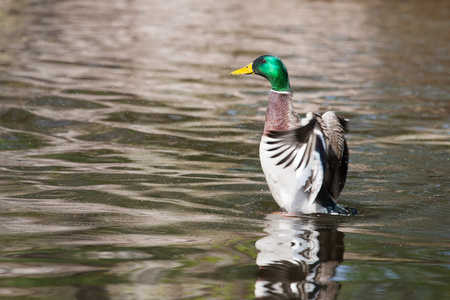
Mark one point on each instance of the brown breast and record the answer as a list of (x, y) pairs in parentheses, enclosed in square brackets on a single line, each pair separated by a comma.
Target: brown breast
[(280, 114)]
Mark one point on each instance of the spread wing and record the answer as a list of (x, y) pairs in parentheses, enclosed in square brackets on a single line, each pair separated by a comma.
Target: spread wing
[(334, 128), (302, 150)]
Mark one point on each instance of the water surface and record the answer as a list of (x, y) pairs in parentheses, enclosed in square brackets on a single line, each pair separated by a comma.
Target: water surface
[(129, 156)]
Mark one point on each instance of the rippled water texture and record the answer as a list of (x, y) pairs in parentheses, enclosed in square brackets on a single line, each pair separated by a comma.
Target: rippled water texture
[(129, 161)]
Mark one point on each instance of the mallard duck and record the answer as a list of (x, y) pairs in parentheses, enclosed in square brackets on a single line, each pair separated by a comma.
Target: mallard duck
[(304, 160)]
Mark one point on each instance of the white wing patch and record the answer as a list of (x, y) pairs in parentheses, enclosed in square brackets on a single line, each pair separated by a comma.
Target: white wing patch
[(303, 151)]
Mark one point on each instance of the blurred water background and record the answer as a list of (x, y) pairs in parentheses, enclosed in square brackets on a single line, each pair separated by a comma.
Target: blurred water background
[(129, 161)]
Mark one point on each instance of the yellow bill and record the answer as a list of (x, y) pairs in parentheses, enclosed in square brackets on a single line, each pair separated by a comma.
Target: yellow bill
[(245, 70)]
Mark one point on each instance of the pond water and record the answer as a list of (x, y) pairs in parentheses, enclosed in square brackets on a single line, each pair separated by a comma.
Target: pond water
[(129, 156)]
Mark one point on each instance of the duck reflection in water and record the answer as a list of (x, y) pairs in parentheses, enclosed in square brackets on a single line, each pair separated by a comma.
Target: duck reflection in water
[(298, 259)]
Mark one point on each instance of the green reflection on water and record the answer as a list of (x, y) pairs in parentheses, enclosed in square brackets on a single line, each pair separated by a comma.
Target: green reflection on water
[(98, 156), (60, 102), (20, 141), (103, 266)]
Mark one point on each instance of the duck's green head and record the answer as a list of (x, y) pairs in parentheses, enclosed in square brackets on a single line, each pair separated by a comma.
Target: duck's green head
[(270, 67)]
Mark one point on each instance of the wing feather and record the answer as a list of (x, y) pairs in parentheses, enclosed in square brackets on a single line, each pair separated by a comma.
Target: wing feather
[(303, 149)]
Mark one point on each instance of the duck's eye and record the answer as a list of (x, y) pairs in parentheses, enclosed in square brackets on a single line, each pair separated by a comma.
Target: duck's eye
[(263, 61)]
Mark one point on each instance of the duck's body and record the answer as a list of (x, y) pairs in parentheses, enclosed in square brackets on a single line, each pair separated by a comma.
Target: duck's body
[(299, 157), (305, 161)]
